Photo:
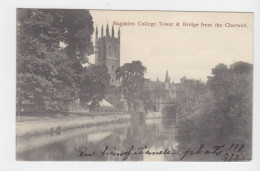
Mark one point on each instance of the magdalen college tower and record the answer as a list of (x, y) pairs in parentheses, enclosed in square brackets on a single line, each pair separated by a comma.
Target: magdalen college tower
[(107, 52)]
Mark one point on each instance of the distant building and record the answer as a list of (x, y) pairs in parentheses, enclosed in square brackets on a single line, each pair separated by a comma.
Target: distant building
[(167, 81), (163, 93), (107, 52)]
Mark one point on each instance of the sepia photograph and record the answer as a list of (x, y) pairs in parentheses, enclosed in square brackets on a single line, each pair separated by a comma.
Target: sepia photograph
[(133, 85)]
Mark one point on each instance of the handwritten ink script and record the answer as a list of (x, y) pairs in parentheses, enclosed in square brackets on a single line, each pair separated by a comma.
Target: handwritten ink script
[(221, 152)]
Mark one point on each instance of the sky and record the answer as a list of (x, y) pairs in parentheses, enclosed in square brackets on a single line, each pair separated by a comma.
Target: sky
[(191, 50)]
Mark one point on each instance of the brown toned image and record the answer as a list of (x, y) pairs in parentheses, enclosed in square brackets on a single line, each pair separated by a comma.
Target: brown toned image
[(111, 85)]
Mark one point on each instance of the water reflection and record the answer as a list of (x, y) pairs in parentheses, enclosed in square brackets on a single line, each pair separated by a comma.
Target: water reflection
[(156, 134)]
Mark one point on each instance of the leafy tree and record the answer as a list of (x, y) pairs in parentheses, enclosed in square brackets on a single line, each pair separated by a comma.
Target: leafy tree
[(94, 85), (190, 96), (51, 46), (225, 112), (132, 83), (146, 98), (232, 94), (114, 95)]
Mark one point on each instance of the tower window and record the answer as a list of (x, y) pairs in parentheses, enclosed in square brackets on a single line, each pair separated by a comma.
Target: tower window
[(115, 52), (99, 53), (113, 67), (104, 52), (110, 51)]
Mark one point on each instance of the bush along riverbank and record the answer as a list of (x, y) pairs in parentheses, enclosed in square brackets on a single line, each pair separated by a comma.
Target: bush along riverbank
[(218, 112)]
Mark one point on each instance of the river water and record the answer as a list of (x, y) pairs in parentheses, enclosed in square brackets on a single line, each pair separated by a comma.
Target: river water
[(109, 142)]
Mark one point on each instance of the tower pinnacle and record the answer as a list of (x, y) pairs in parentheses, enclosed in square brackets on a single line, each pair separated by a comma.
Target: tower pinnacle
[(119, 32), (167, 79), (107, 31), (96, 32), (102, 31), (113, 31)]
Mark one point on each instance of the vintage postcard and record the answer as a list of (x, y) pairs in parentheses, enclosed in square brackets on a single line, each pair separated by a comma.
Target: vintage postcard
[(111, 85)]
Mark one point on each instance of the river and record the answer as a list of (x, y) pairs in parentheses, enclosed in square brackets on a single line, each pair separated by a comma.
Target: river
[(105, 143)]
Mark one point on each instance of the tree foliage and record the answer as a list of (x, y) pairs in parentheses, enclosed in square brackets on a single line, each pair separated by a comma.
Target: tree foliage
[(51, 47), (113, 95), (132, 83), (232, 90), (226, 112), (190, 96), (94, 84)]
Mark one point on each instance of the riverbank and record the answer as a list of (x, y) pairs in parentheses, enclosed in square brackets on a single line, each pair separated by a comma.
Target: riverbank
[(35, 125), (27, 125)]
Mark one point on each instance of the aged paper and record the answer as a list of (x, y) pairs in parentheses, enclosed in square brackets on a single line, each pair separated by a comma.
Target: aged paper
[(104, 85)]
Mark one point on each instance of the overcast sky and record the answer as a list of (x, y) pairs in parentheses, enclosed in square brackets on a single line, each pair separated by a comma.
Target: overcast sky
[(184, 51)]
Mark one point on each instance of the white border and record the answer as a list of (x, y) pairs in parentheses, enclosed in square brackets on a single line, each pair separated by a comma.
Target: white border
[(7, 77)]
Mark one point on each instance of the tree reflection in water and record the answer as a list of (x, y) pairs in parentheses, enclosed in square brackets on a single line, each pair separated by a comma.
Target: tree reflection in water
[(156, 134)]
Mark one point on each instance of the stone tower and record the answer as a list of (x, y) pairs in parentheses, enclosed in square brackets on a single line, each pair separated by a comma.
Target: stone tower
[(167, 80), (107, 52)]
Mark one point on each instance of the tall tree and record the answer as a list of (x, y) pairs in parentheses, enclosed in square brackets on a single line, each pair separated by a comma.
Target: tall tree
[(223, 107), (51, 46), (190, 96), (232, 90), (132, 80), (94, 85)]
